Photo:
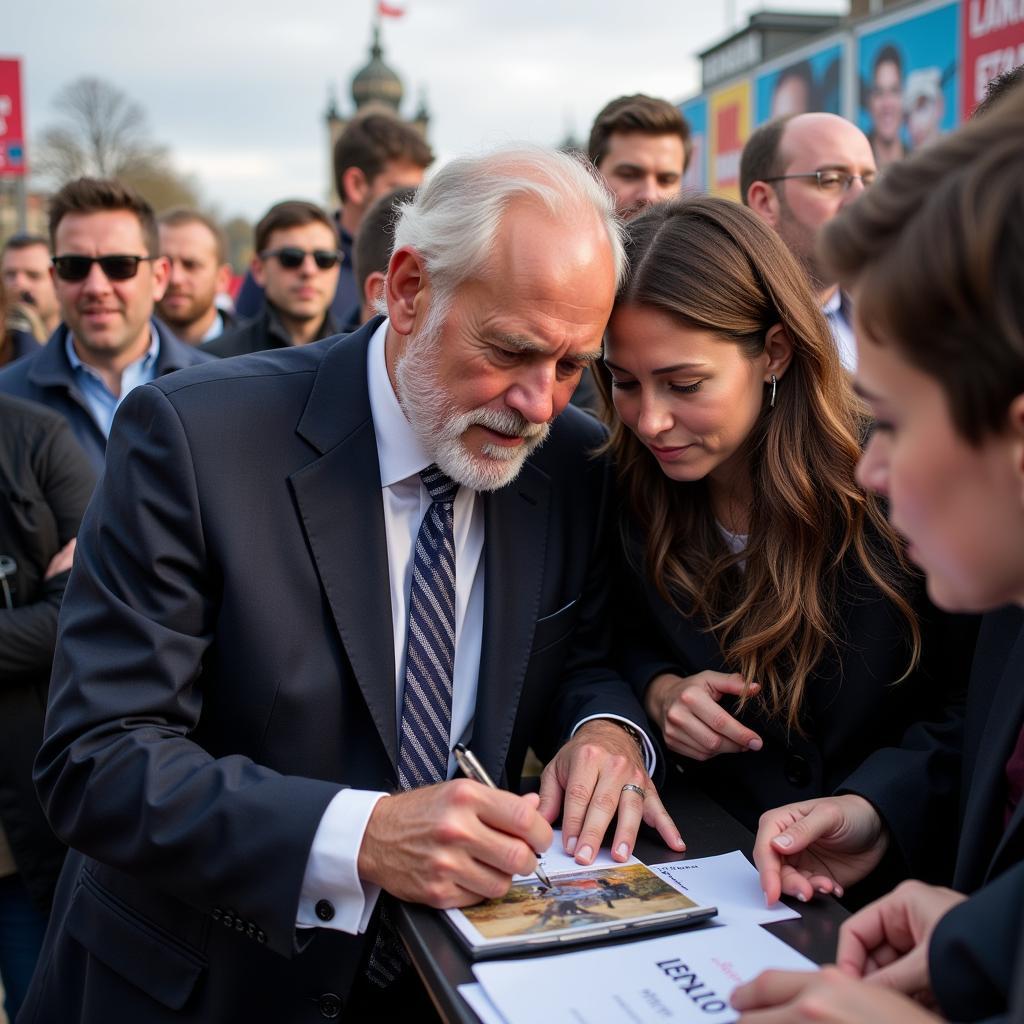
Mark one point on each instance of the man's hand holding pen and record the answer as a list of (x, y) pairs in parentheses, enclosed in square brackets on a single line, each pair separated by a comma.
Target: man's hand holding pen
[(453, 844)]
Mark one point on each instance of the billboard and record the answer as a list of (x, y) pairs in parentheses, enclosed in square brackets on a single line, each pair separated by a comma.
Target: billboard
[(728, 128), (12, 134), (812, 82), (993, 39), (696, 114), (909, 82)]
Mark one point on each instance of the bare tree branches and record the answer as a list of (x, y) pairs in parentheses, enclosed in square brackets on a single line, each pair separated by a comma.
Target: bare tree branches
[(101, 132)]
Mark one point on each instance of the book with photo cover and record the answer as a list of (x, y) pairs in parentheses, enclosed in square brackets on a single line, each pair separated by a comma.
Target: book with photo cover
[(582, 905)]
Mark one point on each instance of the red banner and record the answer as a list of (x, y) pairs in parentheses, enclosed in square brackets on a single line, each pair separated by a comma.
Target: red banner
[(12, 137), (993, 36)]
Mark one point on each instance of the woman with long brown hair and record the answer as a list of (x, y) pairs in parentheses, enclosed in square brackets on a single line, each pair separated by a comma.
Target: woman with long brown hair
[(769, 616)]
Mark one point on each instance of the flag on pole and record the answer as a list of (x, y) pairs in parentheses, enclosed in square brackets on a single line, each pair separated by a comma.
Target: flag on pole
[(389, 10)]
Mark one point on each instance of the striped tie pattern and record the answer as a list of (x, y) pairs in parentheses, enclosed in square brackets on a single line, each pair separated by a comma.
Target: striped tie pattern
[(424, 742), (424, 746)]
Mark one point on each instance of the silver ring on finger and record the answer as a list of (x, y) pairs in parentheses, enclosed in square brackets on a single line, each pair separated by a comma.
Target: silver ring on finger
[(629, 787)]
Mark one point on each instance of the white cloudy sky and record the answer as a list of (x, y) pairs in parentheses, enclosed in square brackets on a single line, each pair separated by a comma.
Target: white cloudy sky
[(237, 88)]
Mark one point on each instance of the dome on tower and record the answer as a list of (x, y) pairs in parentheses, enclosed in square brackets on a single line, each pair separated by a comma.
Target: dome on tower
[(377, 83)]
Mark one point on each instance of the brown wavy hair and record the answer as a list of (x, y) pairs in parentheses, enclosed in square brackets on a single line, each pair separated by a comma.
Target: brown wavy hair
[(712, 265)]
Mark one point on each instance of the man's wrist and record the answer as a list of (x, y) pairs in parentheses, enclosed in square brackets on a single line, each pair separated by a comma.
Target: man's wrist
[(647, 754)]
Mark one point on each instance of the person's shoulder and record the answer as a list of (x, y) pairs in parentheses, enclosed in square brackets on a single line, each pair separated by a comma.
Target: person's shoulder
[(217, 373), (571, 450), (24, 412), (236, 340), (14, 378)]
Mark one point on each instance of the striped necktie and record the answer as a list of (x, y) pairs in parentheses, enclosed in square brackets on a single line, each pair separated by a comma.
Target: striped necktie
[(424, 743)]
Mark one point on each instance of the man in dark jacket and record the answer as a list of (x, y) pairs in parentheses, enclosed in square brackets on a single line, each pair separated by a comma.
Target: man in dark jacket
[(376, 153), (296, 263), (108, 274), (46, 481)]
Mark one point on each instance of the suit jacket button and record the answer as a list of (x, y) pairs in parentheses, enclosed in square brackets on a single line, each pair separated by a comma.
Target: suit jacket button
[(330, 1005), (216, 913), (261, 936), (797, 770), (239, 925), (324, 910)]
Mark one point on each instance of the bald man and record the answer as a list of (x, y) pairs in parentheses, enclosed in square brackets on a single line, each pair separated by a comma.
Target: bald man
[(796, 174)]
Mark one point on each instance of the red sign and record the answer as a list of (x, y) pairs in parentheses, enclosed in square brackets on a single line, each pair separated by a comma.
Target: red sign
[(12, 136), (993, 35)]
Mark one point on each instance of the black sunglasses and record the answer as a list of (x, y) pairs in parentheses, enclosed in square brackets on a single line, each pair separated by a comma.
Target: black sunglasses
[(291, 257), (117, 268)]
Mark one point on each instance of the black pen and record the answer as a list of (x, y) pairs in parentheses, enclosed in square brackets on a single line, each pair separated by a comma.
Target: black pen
[(473, 769)]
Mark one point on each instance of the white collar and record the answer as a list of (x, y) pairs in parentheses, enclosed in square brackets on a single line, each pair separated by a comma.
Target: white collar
[(399, 451)]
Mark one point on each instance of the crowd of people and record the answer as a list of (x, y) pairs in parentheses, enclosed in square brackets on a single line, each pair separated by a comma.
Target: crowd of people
[(537, 455)]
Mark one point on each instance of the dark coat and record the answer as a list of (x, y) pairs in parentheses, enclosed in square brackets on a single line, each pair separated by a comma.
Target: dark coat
[(46, 377), (852, 704), (954, 800), (46, 481), (976, 955), (262, 334), (220, 678)]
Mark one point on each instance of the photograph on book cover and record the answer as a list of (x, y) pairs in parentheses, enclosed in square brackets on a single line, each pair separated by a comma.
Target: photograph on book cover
[(576, 901)]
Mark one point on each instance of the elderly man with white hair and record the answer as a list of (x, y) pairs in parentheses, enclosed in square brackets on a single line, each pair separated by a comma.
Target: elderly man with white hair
[(307, 574)]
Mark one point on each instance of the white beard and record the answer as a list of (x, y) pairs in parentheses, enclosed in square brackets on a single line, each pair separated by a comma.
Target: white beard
[(440, 426)]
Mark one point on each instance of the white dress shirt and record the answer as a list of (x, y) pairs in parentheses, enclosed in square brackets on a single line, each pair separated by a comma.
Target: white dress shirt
[(331, 872), (837, 313)]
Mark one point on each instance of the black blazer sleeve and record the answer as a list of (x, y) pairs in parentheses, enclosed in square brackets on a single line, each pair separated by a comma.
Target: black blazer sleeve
[(46, 504), (975, 949), (121, 775)]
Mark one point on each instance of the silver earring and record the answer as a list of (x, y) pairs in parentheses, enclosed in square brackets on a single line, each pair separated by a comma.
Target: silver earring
[(771, 401)]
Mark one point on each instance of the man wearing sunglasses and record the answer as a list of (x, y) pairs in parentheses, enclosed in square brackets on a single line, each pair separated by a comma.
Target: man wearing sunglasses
[(108, 275), (296, 263), (796, 174)]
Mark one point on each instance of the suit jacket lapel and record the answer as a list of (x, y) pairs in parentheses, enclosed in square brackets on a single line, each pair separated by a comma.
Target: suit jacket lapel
[(515, 540), (342, 513), (982, 836)]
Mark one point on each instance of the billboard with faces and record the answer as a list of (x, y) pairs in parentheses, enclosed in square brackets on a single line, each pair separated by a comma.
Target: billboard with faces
[(696, 114), (909, 79), (809, 81)]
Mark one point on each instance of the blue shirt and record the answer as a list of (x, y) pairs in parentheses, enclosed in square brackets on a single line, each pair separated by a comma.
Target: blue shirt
[(101, 400)]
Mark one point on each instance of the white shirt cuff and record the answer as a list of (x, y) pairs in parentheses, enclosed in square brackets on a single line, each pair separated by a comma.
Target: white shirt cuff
[(650, 757), (333, 895)]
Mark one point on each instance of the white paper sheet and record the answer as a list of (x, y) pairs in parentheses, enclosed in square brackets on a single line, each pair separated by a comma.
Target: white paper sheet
[(729, 882), (556, 861), (688, 976), (474, 994)]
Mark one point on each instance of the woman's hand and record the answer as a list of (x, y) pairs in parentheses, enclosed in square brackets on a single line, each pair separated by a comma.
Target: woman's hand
[(686, 710)]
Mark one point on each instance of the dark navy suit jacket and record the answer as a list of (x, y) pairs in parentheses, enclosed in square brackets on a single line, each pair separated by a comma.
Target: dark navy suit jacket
[(226, 665)]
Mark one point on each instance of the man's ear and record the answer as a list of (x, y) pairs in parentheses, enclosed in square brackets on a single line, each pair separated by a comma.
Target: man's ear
[(778, 347), (223, 280), (256, 269), (356, 186), (764, 201), (407, 289), (373, 289)]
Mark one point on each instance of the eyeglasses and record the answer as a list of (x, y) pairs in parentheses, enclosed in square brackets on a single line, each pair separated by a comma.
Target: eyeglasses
[(830, 181), (117, 268), (291, 257)]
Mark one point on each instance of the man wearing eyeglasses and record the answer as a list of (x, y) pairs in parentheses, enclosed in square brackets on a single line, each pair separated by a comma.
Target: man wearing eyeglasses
[(108, 275), (796, 174), (296, 263)]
